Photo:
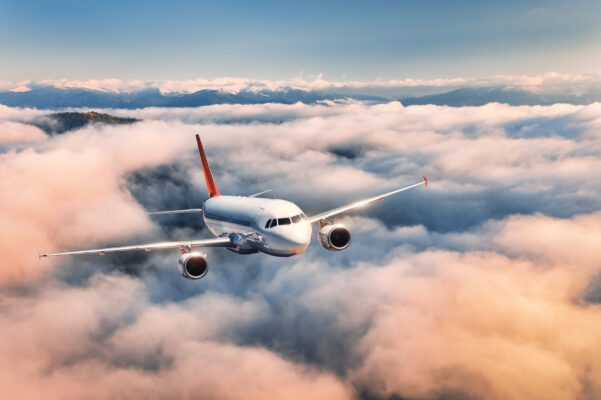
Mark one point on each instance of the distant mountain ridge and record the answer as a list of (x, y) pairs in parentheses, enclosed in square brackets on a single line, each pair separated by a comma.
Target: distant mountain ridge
[(55, 98), (484, 95), (49, 97)]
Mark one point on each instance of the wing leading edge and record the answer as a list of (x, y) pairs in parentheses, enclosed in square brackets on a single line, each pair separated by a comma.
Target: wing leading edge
[(360, 203), (187, 211), (184, 244)]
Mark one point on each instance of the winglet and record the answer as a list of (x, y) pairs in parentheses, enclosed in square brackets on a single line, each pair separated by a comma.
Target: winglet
[(425, 180), (205, 167)]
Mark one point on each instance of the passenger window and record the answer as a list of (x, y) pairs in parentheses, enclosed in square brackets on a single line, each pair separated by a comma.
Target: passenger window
[(267, 223), (296, 219), (283, 221), (274, 222)]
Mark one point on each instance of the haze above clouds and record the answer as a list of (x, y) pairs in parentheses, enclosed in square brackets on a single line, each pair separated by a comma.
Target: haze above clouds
[(488, 276)]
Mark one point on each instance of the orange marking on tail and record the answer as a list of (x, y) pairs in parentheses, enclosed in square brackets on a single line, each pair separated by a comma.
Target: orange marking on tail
[(425, 180), (205, 167)]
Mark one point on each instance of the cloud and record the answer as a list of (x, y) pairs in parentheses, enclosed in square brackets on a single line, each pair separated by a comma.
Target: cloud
[(487, 156), (476, 321), (15, 132), (483, 285), (106, 341), (67, 191)]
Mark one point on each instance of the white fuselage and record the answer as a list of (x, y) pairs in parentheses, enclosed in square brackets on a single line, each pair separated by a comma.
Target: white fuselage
[(249, 223)]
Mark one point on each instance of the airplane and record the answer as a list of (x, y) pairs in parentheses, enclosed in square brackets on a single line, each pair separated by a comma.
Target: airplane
[(250, 224)]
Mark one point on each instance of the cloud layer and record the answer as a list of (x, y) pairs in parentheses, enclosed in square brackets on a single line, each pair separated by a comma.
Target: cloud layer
[(483, 285)]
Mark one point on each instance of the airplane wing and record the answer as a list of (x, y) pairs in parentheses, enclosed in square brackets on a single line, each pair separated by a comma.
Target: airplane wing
[(340, 210), (186, 244), (188, 211), (260, 193)]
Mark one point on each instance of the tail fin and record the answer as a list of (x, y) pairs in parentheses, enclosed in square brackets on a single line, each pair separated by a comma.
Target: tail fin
[(205, 167)]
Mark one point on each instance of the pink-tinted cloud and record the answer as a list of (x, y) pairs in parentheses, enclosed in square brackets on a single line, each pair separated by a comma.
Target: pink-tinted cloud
[(69, 191), (481, 323), (52, 349), (15, 132)]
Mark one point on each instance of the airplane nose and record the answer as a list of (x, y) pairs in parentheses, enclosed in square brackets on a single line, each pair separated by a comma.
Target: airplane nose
[(301, 236)]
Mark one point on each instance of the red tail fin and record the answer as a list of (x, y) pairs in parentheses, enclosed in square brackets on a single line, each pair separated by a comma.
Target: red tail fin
[(205, 167)]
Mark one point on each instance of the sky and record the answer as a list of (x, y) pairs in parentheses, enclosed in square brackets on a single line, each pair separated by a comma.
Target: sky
[(340, 40)]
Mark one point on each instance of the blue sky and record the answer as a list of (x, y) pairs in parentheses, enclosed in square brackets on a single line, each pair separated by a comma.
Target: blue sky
[(342, 40)]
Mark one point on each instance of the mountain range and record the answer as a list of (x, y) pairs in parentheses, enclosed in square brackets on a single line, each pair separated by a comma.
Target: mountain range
[(49, 97)]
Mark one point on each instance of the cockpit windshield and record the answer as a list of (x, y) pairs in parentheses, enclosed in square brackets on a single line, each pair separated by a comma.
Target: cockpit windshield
[(285, 221)]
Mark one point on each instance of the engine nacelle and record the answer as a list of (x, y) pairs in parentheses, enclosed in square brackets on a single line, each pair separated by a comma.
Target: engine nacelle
[(193, 265), (334, 237)]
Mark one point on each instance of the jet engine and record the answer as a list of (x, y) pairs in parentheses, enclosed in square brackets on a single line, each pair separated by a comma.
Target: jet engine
[(334, 237), (193, 265)]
